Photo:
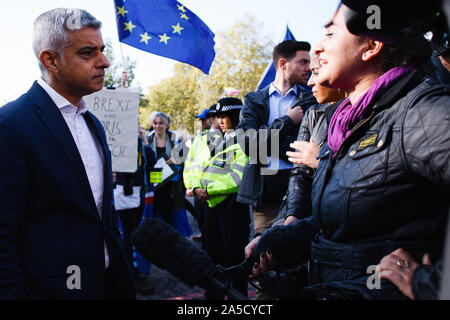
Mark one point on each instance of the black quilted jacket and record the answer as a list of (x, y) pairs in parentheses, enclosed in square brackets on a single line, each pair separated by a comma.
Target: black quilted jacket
[(388, 188), (391, 177), (298, 196)]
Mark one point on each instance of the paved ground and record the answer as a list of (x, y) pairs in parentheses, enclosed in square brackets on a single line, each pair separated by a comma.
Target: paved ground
[(168, 287)]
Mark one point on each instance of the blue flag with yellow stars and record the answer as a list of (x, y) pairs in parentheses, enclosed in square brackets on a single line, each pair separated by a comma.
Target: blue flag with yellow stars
[(166, 28)]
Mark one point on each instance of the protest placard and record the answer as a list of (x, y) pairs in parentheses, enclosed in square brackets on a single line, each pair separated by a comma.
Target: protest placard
[(162, 172), (118, 111)]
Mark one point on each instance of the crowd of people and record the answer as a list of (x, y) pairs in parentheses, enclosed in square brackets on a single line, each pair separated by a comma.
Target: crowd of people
[(340, 164), (381, 182)]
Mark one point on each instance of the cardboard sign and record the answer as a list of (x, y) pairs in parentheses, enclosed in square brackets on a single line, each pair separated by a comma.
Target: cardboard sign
[(118, 111)]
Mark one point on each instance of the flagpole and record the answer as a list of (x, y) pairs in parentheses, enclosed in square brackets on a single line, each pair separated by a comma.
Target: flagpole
[(124, 65), (285, 31), (123, 59)]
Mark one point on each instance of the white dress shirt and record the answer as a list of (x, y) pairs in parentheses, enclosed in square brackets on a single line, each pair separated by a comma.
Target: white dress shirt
[(88, 146)]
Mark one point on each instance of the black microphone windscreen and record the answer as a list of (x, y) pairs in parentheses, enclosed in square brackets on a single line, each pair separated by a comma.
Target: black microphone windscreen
[(163, 246)]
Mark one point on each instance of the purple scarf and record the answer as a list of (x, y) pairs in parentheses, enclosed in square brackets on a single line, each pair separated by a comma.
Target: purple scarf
[(346, 115)]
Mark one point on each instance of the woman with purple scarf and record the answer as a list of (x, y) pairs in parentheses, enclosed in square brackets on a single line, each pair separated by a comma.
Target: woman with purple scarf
[(383, 178)]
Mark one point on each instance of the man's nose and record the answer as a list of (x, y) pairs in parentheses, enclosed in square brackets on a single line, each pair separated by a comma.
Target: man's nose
[(103, 62)]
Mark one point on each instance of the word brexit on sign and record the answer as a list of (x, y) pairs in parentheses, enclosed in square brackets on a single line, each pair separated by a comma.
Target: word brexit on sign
[(118, 111)]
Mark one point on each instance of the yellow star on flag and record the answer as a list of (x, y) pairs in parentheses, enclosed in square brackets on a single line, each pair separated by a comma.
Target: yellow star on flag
[(129, 26), (145, 37), (121, 11), (177, 29), (181, 8), (164, 38), (183, 16)]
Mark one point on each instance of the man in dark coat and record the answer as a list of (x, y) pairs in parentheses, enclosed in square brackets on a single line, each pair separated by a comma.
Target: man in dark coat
[(56, 219), (279, 106)]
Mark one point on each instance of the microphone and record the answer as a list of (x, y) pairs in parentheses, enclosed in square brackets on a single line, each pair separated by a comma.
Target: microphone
[(163, 246)]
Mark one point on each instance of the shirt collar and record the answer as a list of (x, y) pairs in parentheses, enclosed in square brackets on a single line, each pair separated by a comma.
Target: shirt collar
[(273, 89), (59, 100)]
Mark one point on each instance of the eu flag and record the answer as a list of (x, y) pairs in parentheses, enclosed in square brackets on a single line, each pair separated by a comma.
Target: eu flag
[(269, 74), (166, 28)]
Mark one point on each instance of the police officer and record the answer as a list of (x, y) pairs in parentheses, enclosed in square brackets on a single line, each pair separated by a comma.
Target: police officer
[(226, 224), (197, 156)]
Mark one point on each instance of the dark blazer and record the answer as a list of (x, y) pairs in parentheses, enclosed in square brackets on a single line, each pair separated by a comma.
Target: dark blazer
[(254, 116), (48, 216)]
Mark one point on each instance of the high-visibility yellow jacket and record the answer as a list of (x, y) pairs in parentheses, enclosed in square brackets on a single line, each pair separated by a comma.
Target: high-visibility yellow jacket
[(196, 160), (222, 174)]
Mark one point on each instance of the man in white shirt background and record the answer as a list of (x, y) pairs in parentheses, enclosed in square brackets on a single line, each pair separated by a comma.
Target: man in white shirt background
[(280, 107)]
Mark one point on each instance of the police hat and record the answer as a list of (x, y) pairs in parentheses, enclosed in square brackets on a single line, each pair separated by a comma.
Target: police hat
[(202, 115), (228, 105), (212, 111)]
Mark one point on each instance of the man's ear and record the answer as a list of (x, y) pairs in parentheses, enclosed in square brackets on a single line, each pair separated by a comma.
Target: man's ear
[(373, 49), (282, 63), (49, 60)]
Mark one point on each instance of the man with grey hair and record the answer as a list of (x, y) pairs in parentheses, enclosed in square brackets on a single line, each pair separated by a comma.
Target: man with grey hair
[(56, 215)]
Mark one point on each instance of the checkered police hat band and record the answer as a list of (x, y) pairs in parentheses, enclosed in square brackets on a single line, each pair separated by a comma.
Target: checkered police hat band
[(228, 108)]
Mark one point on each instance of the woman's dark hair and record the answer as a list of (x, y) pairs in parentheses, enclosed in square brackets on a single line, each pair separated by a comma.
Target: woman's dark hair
[(234, 116), (403, 38), (413, 49)]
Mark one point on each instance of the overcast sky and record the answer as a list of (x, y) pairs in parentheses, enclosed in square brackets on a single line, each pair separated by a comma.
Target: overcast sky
[(18, 64)]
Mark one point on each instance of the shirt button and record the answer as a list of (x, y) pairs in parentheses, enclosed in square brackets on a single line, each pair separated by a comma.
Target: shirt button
[(352, 153)]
